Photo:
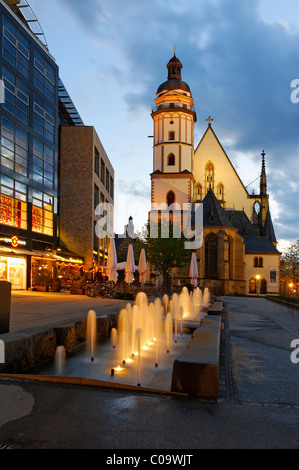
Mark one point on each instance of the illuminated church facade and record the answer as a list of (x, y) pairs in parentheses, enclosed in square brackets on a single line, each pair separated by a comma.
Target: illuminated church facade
[(238, 254)]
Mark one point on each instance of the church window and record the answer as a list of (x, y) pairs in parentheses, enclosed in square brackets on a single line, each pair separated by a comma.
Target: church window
[(260, 262), (209, 176), (256, 262), (211, 247), (198, 192), (171, 160), (220, 191), (252, 286), (171, 135), (170, 198)]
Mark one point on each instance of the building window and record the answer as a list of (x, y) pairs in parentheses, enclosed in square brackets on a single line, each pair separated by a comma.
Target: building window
[(209, 176), (15, 48), (44, 119), (96, 196), (261, 262), (220, 191), (13, 203), (211, 271), (42, 213), (107, 180), (111, 187), (16, 96), (102, 172), (170, 198), (14, 148), (43, 164), (252, 286), (44, 76), (96, 162), (171, 160), (198, 192), (172, 135)]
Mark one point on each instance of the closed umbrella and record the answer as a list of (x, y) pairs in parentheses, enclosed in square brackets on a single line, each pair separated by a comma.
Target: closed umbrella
[(112, 262), (193, 272), (142, 267), (130, 265)]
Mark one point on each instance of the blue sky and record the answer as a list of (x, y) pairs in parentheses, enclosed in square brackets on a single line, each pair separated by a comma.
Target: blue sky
[(239, 58)]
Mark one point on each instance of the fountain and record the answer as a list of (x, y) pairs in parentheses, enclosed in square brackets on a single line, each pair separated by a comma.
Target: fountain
[(91, 333), (142, 347), (59, 360)]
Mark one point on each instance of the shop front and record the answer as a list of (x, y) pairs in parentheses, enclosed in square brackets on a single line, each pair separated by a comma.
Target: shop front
[(14, 262)]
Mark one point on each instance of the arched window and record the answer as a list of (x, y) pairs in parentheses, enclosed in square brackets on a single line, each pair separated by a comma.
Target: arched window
[(211, 271), (256, 262), (198, 192), (171, 160), (209, 176), (260, 262), (220, 191), (170, 198), (252, 286)]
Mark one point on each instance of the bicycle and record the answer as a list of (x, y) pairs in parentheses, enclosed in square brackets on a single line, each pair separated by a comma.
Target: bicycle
[(100, 290)]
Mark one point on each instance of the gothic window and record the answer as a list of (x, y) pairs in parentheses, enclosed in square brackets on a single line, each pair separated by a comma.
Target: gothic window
[(211, 256), (252, 286), (209, 176), (220, 191), (198, 192), (260, 262), (171, 160), (170, 198), (256, 262)]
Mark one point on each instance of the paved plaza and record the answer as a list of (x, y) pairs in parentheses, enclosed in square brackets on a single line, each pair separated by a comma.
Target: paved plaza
[(258, 406)]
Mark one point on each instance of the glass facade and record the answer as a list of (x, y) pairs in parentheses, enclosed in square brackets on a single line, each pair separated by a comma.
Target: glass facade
[(29, 119)]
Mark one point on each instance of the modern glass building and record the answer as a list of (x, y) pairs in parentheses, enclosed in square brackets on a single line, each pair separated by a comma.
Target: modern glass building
[(35, 106)]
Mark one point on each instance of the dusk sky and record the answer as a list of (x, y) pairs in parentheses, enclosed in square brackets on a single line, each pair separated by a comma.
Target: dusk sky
[(239, 58)]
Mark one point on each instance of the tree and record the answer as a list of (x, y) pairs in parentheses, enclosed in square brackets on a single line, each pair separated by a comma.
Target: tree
[(289, 267), (163, 253)]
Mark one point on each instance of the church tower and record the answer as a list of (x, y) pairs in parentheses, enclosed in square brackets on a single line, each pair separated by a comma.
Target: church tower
[(173, 145)]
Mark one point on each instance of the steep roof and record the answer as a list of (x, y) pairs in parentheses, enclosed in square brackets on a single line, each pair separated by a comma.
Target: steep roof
[(213, 213), (259, 245), (268, 230)]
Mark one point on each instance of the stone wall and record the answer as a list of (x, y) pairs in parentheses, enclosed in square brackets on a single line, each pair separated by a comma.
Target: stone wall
[(26, 350)]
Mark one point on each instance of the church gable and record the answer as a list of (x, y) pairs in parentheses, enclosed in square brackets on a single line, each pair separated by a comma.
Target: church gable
[(213, 169)]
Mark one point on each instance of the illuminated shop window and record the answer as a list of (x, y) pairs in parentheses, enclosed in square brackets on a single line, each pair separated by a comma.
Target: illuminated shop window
[(13, 205), (42, 213), (14, 148)]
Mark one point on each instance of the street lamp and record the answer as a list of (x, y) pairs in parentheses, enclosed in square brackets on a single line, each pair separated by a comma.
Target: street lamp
[(258, 284)]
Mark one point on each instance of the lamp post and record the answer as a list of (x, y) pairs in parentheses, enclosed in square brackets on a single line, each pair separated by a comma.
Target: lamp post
[(257, 284)]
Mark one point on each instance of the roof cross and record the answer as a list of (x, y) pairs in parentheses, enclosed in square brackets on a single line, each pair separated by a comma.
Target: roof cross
[(209, 120)]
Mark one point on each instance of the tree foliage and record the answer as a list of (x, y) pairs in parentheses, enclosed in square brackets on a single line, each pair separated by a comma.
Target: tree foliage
[(289, 267), (164, 253)]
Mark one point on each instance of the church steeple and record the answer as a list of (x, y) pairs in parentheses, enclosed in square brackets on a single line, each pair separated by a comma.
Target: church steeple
[(263, 179), (174, 68)]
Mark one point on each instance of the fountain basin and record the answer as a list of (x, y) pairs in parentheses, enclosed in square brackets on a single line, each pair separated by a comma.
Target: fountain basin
[(196, 370)]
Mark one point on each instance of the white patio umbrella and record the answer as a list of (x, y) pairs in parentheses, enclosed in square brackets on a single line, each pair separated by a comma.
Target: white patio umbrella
[(130, 265), (193, 271), (112, 262), (142, 267)]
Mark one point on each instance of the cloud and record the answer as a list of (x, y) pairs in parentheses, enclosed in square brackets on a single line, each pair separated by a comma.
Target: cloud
[(238, 66)]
